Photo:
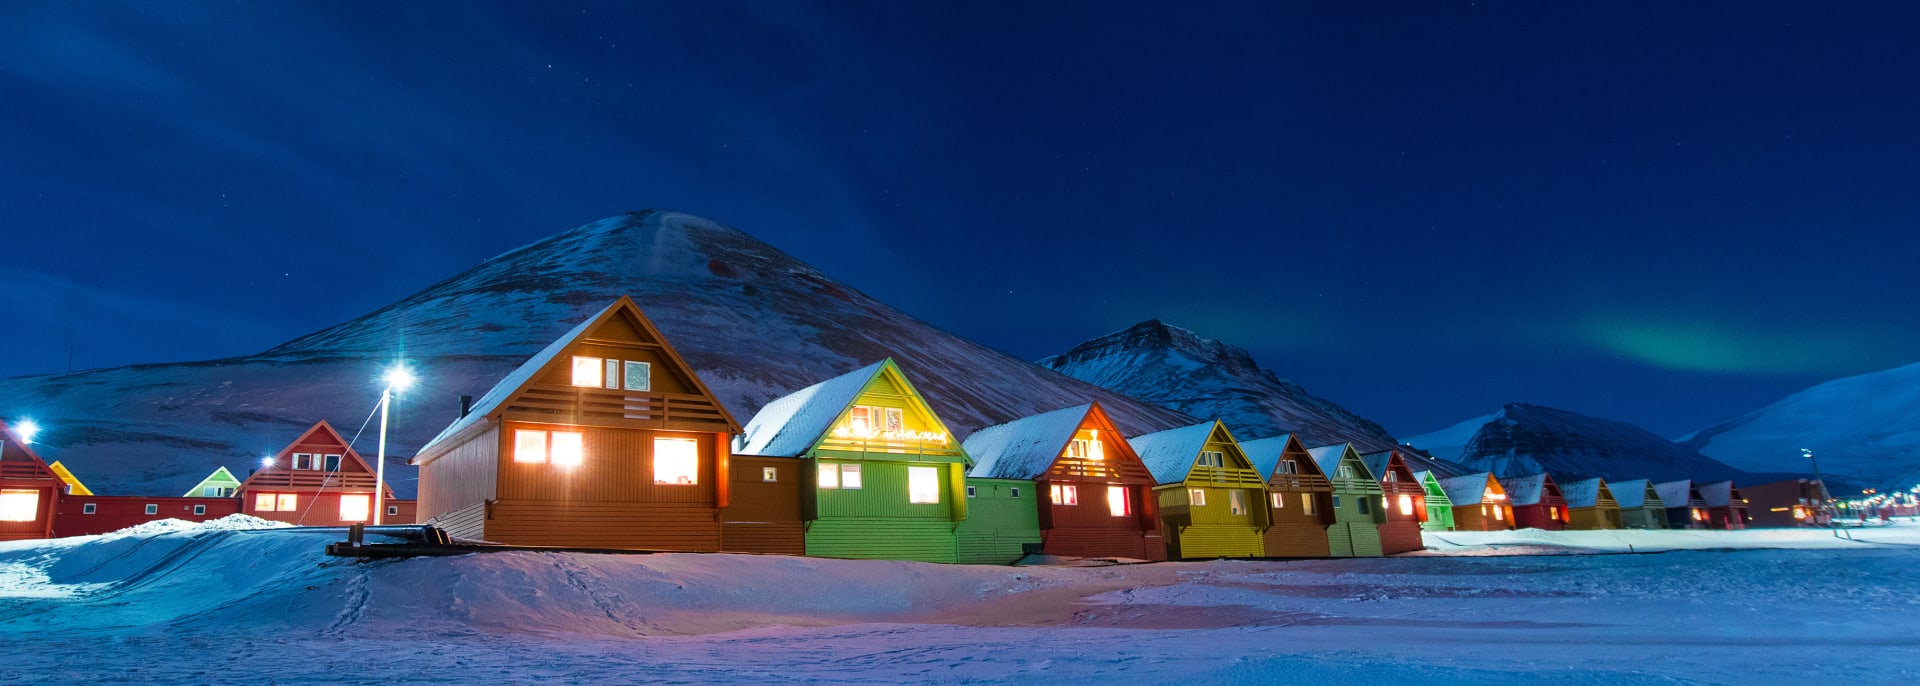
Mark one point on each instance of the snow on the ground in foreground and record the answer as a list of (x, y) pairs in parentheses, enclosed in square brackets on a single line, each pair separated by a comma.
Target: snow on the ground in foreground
[(1538, 542), (216, 605)]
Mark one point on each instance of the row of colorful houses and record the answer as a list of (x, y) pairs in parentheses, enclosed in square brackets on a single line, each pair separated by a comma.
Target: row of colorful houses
[(607, 438)]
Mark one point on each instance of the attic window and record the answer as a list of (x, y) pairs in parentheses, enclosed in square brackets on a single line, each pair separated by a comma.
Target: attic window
[(1119, 502), (1345, 471), (1086, 444), (639, 376), (1212, 458), (333, 463), (587, 371), (19, 505), (302, 461), (1289, 467)]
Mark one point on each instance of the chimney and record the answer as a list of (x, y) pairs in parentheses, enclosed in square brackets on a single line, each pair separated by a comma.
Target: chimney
[(466, 405)]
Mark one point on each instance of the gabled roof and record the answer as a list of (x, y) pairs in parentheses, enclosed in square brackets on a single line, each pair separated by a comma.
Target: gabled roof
[(793, 423), (1717, 494), (1583, 493), (1170, 454), (1676, 493), (320, 433), (1329, 456), (1265, 453), (1431, 483), (1631, 494), (219, 477), (1527, 489), (1467, 489), (73, 482), (497, 397), (1024, 448)]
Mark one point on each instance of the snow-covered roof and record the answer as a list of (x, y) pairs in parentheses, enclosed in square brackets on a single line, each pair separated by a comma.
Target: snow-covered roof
[(1717, 494), (1377, 462), (1582, 493), (791, 424), (1466, 489), (1170, 454), (1328, 457), (1524, 490), (1676, 493), (1023, 448), (1423, 476), (1629, 494), (513, 381), (1265, 453)]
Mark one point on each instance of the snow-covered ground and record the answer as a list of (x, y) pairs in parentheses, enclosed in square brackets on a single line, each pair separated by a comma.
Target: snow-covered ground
[(187, 604)]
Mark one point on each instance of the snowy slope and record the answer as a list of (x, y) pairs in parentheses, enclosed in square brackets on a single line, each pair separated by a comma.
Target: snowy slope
[(1176, 368), (754, 321), (1450, 442), (1864, 429), (1529, 439), (216, 606)]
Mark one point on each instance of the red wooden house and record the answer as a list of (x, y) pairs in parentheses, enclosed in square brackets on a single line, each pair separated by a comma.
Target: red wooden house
[(1726, 507), (606, 438), (29, 491), (98, 514), (1537, 502), (318, 480), (1097, 497), (1404, 499)]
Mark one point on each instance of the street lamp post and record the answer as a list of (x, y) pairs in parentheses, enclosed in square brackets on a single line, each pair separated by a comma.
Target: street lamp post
[(398, 379)]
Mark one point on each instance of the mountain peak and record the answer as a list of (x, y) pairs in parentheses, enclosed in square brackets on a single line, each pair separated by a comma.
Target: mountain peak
[(1526, 438)]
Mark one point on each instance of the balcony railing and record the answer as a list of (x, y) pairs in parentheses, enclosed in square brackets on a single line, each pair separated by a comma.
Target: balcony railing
[(25, 470), (1300, 481), (310, 480), (584, 405)]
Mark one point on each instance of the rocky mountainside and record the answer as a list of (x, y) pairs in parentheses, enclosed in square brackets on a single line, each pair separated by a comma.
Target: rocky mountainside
[(1528, 439), (1176, 368), (1864, 429), (754, 321)]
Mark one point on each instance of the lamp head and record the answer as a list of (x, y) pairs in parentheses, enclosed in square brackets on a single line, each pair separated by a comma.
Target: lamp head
[(398, 378), (26, 430)]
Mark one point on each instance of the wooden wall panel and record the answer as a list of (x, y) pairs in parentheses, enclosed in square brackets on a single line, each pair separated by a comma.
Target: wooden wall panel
[(883, 493), (113, 513), (782, 538), (1205, 541), (664, 526), (467, 522), (465, 476), (756, 500), (1102, 542), (923, 540), (617, 467)]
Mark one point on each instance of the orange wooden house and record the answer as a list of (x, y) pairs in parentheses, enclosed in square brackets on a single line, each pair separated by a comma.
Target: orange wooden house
[(319, 480), (606, 438), (1299, 497), (29, 490), (1479, 502), (1404, 499), (1097, 497)]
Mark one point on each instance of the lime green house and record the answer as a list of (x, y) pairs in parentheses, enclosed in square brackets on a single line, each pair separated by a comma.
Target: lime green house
[(1212, 499), (1439, 508), (1358, 508), (887, 479), (219, 484)]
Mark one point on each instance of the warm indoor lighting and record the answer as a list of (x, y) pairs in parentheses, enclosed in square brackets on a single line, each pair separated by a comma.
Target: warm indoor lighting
[(676, 461), (22, 505), (923, 485), (26, 430)]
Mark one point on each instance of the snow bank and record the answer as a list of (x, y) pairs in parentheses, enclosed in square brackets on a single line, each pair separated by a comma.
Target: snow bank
[(232, 522), (1539, 542)]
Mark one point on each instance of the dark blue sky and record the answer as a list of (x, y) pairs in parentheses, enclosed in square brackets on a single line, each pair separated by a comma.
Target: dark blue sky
[(1667, 213)]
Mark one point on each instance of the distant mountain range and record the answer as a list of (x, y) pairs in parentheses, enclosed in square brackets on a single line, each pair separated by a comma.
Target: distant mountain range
[(1176, 368), (1529, 439), (1864, 429), (754, 321)]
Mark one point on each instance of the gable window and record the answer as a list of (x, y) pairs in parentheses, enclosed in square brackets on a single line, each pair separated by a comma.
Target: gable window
[(1212, 458), (1086, 444), (333, 463), (1289, 467), (588, 371), (1119, 502), (769, 474), (87, 508), (354, 507), (676, 461), (1344, 471), (1065, 494), (1406, 504), (153, 509), (1306, 503), (639, 376), (923, 485), (839, 475), (199, 509), (1197, 497), (302, 461), (866, 420), (1279, 500), (1392, 477), (611, 379), (1237, 502), (19, 505)]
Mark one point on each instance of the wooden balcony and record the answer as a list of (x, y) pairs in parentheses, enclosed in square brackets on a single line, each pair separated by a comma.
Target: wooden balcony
[(896, 446), (1300, 482), (25, 470), (613, 407), (305, 480)]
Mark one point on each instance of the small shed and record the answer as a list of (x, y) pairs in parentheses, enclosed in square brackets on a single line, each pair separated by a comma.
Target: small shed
[(1299, 497), (1726, 507), (1591, 505), (1685, 508), (1403, 499), (1479, 502), (1357, 510), (1093, 495), (29, 490), (1439, 508), (1212, 500), (1537, 502), (1640, 505)]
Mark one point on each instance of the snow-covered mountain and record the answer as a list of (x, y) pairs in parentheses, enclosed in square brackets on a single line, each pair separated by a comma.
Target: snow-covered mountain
[(754, 321), (1864, 429), (1528, 439), (1176, 368)]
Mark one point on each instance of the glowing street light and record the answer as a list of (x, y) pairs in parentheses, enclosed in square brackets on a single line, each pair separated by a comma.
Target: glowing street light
[(398, 379), (26, 429)]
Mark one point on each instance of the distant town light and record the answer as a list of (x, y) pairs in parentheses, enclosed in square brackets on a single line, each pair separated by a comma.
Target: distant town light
[(26, 430)]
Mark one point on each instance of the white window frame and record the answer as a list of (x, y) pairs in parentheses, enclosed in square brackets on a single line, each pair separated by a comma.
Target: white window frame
[(393, 510), (923, 485), (270, 504), (88, 509), (645, 375), (286, 502), (769, 475), (588, 371), (302, 461), (1237, 502), (1289, 466), (828, 475), (610, 376), (1013, 492), (851, 476), (1065, 494), (1197, 497), (153, 509), (332, 463), (1119, 501), (970, 491), (199, 510)]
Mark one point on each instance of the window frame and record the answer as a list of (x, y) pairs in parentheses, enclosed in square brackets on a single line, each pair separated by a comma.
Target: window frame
[(88, 508), (1237, 503), (1196, 497), (366, 509), (769, 475), (916, 491), (582, 363), (153, 509), (1279, 500), (199, 510), (1119, 501), (646, 376), (1307, 505), (653, 459), (301, 462)]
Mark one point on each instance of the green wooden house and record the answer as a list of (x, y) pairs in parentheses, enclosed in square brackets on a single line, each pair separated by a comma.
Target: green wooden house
[(1439, 508), (1357, 508), (1640, 505), (887, 479), (1211, 497), (219, 484), (1003, 521)]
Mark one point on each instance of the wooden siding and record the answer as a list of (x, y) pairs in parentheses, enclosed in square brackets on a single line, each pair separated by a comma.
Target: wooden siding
[(764, 516), (881, 538), (462, 477), (1354, 534), (617, 467), (312, 507), (469, 522), (883, 492), (1602, 516), (1644, 518), (1090, 529), (1205, 541), (999, 525), (1401, 531), (639, 526), (1469, 518), (113, 513), (1211, 530)]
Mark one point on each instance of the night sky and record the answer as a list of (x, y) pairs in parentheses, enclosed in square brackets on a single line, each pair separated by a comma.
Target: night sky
[(1668, 213)]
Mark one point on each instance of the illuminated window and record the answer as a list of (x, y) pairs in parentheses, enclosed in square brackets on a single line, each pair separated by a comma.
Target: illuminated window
[(676, 461), (1237, 502), (1406, 504), (611, 379), (529, 446), (1699, 515), (1086, 444), (333, 463), (588, 371), (1289, 467), (1065, 494), (1119, 502), (153, 509), (302, 461), (1306, 503), (566, 448), (923, 485), (1499, 515), (87, 508), (1553, 513), (769, 474), (263, 502), (287, 502), (639, 376), (1483, 510), (860, 420), (199, 509), (1197, 496), (894, 420), (355, 506), (850, 476), (1279, 500), (829, 475), (1392, 477)]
